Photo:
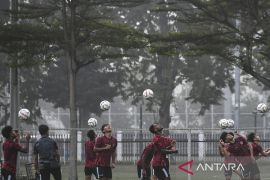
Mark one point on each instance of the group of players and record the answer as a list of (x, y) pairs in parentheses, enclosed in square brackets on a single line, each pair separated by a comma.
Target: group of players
[(99, 151), (100, 154), (241, 150)]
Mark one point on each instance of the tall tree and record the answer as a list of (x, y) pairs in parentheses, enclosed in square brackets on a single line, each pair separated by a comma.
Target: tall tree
[(231, 31), (71, 26), (162, 69)]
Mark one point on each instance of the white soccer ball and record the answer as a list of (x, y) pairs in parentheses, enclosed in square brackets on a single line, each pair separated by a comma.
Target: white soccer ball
[(230, 123), (223, 123), (262, 108), (105, 105), (92, 122), (24, 114), (148, 93)]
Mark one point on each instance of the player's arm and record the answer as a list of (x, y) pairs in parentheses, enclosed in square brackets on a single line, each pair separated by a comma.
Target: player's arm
[(98, 149), (99, 146), (222, 150), (170, 149), (251, 152)]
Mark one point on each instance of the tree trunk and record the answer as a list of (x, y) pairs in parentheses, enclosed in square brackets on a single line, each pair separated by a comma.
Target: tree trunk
[(69, 35), (164, 113), (83, 117)]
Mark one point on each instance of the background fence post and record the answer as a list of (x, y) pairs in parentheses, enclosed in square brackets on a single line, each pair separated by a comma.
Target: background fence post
[(189, 149)]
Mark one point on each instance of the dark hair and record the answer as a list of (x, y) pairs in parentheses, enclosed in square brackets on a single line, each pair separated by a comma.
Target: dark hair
[(91, 134), (43, 129), (250, 137), (231, 133), (223, 136), (6, 131), (103, 126), (152, 128)]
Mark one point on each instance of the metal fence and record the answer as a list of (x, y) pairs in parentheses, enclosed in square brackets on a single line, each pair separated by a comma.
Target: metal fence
[(197, 144)]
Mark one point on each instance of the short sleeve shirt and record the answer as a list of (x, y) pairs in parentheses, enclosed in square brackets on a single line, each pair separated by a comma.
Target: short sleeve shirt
[(10, 150), (103, 158), (90, 156), (46, 148)]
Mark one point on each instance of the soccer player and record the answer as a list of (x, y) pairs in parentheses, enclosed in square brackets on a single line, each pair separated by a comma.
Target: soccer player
[(90, 156), (105, 147), (258, 151), (11, 147), (228, 158), (143, 164), (164, 145), (46, 156), (242, 151)]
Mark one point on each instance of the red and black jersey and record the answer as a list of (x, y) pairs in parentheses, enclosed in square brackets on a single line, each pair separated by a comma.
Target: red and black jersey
[(257, 149), (90, 155), (160, 142), (103, 158), (146, 156), (10, 149)]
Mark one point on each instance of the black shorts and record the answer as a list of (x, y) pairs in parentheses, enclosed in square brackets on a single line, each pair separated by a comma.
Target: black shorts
[(255, 171), (228, 171), (89, 171), (8, 175), (140, 173), (161, 172), (104, 172), (246, 172)]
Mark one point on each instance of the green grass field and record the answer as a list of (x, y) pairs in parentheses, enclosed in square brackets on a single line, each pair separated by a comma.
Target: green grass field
[(129, 172)]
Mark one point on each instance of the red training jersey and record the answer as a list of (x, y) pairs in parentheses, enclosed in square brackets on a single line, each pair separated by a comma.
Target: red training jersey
[(146, 156), (160, 142), (103, 158), (90, 155), (10, 149), (240, 150), (257, 149)]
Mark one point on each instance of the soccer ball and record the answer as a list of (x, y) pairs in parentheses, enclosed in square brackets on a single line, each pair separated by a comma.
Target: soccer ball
[(230, 123), (223, 123), (262, 108), (148, 93), (105, 105), (92, 122), (24, 114)]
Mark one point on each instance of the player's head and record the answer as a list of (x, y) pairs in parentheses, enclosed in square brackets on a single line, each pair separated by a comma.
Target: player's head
[(252, 137), (156, 128), (43, 129), (226, 137), (7, 132), (106, 129), (91, 134)]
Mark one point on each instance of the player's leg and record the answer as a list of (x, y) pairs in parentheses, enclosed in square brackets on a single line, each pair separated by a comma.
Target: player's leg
[(255, 172), (101, 173), (8, 175), (45, 174), (108, 173), (56, 172), (87, 173), (162, 173)]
